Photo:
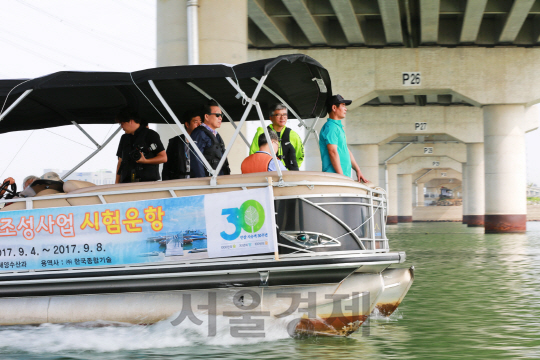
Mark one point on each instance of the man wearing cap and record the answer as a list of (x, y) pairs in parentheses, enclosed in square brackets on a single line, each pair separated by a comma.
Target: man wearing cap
[(335, 155)]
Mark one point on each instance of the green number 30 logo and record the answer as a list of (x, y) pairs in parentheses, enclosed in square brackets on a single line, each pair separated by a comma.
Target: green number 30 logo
[(250, 217)]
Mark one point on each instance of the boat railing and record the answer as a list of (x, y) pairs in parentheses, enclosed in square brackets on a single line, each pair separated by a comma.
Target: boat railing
[(373, 239)]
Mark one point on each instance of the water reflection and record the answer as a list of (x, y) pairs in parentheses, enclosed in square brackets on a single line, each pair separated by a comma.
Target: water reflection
[(475, 296), (471, 296)]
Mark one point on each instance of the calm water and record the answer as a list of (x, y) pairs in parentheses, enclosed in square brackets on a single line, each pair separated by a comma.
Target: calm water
[(475, 296)]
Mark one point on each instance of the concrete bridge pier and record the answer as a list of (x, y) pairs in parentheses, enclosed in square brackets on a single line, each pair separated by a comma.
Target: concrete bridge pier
[(419, 194), (474, 168), (392, 193), (367, 157), (505, 169), (405, 198), (464, 202)]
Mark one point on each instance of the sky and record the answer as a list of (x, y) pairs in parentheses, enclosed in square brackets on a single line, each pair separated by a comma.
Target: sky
[(40, 37)]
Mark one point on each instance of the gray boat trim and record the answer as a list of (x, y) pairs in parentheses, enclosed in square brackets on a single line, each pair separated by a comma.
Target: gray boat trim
[(202, 263), (196, 274)]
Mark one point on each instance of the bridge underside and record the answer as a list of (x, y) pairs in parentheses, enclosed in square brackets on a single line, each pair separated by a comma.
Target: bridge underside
[(477, 58), (382, 23)]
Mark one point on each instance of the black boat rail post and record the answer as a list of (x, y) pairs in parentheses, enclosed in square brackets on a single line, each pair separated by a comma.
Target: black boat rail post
[(175, 118), (251, 101), (202, 92)]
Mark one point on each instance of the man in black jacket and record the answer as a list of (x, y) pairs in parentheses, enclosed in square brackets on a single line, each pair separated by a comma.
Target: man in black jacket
[(179, 155), (140, 150), (209, 142)]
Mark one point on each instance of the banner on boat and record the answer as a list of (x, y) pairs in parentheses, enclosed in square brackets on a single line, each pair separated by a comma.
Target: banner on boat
[(161, 230), (241, 224)]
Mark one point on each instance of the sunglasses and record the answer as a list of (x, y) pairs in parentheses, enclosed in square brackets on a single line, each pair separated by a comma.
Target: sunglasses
[(216, 114)]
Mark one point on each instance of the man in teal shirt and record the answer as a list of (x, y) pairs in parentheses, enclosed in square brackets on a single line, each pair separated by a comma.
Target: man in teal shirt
[(335, 155)]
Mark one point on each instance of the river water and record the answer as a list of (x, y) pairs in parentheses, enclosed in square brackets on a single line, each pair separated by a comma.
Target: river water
[(474, 296)]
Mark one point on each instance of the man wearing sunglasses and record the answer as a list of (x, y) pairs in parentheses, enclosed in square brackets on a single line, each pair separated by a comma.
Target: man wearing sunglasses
[(207, 139)]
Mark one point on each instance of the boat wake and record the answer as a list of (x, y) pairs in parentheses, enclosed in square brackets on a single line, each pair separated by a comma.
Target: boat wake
[(101, 336)]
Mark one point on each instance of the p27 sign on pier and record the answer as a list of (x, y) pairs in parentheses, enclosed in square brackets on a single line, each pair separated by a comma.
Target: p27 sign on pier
[(161, 230)]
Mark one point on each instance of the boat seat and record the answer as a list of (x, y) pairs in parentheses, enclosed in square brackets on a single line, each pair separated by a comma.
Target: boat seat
[(161, 188), (45, 203), (48, 192), (14, 206), (72, 185)]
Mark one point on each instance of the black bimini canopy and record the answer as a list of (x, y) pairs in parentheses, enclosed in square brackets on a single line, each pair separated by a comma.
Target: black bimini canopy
[(96, 97)]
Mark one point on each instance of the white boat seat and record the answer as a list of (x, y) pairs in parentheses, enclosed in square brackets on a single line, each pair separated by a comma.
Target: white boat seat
[(47, 192), (240, 181), (72, 185)]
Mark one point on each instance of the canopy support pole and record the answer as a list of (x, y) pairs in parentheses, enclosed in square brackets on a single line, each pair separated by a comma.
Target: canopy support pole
[(173, 115), (221, 107), (302, 123), (12, 106), (100, 147), (312, 130), (85, 133), (251, 102), (269, 142)]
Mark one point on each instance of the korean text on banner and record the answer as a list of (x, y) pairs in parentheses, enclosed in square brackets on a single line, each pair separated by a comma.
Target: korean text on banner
[(100, 235)]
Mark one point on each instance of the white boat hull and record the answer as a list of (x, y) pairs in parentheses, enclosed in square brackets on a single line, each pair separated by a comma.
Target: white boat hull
[(336, 309)]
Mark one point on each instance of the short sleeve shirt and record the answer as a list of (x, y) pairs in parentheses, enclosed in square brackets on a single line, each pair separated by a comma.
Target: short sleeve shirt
[(151, 137), (333, 133), (123, 139), (272, 164)]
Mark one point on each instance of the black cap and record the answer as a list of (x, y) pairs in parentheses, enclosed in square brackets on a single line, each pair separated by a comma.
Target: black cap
[(338, 99)]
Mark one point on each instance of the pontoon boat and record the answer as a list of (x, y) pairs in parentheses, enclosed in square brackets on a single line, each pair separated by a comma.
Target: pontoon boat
[(78, 252)]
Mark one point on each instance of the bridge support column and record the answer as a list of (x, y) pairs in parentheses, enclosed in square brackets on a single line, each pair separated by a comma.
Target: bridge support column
[(464, 198), (475, 184), (367, 157), (392, 191), (217, 44), (419, 194), (505, 169), (405, 198)]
